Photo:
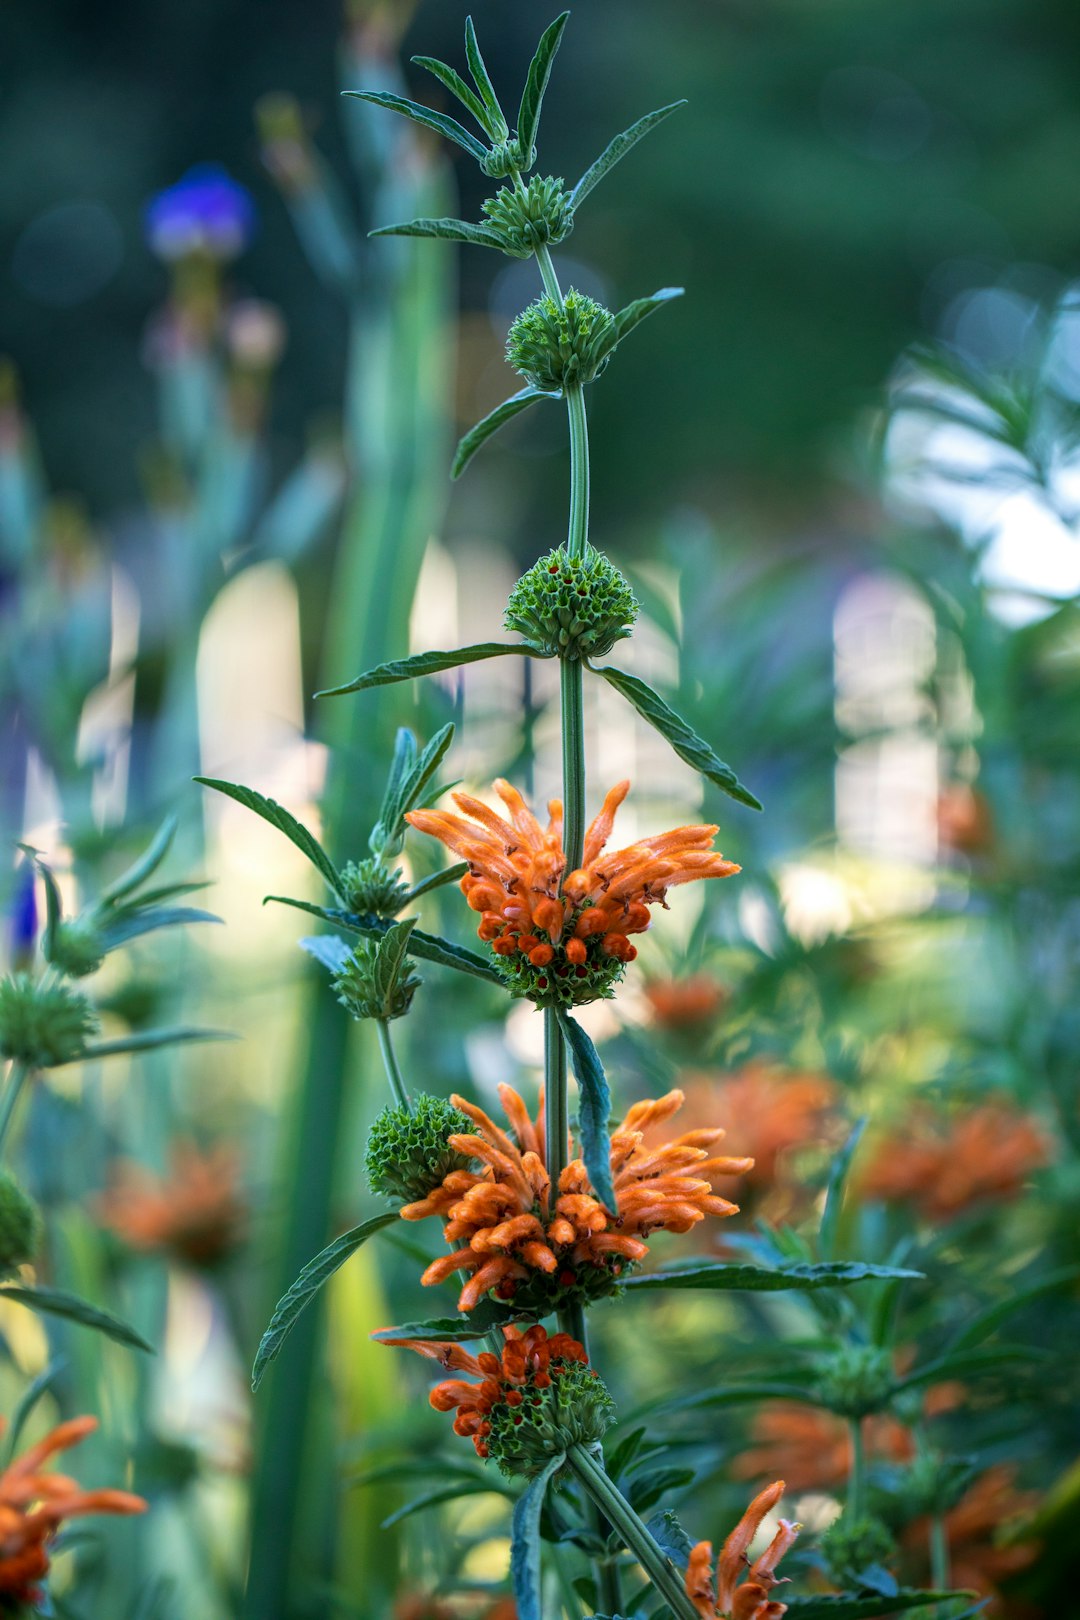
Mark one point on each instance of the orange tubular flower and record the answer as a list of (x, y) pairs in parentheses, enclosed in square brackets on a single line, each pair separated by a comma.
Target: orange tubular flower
[(195, 1212), (727, 1598), (561, 937), (775, 1110), (980, 1559), (33, 1505), (513, 1237), (946, 1167), (685, 1004), (812, 1449)]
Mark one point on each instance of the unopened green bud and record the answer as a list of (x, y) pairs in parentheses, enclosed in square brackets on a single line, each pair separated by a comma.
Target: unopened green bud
[(572, 607), (409, 1155), (372, 890), (856, 1379), (526, 221), (76, 948), (20, 1225), (852, 1547), (557, 345), (506, 156), (43, 1025), (368, 988), (574, 1408)]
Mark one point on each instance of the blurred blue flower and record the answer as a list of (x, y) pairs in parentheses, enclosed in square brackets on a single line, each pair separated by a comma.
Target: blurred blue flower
[(204, 212), (24, 918)]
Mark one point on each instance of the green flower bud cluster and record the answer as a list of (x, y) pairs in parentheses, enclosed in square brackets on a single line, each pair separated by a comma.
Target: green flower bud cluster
[(852, 1547), (409, 1155), (572, 607), (20, 1226), (505, 157), (856, 1379), (555, 345), (543, 1292), (543, 214), (562, 983), (573, 1409), (366, 990), (43, 1025), (371, 890), (76, 948)]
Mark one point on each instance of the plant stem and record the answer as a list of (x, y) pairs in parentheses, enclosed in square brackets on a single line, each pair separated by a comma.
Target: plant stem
[(556, 1108), (393, 1072), (614, 1506), (855, 1493), (577, 539), (18, 1075), (939, 1554)]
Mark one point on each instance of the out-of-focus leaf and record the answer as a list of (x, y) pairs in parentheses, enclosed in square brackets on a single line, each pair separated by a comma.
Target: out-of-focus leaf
[(986, 1321), (439, 122), (331, 952), (635, 313), (25, 1405), (449, 1493), (594, 1109), (148, 1040), (525, 1543), (645, 1490), (456, 85), (725, 1274), (146, 865), (867, 1608), (532, 97), (450, 230), (134, 921), (283, 820), (618, 148), (670, 1536), (970, 1363), (834, 1196), (684, 740), (427, 663), (55, 1302), (491, 423)]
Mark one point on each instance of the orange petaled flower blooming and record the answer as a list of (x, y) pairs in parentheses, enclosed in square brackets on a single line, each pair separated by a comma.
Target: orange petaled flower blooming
[(513, 1237), (33, 1505), (812, 1449), (195, 1212), (532, 1403), (946, 1167), (772, 1110), (685, 1004), (981, 1554), (562, 938), (727, 1598)]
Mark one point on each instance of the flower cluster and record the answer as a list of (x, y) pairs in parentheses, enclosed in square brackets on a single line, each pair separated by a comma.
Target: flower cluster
[(512, 1236), (945, 1168), (556, 346), (562, 938), (196, 1212), (43, 1025), (526, 220), (750, 1600), (572, 607)]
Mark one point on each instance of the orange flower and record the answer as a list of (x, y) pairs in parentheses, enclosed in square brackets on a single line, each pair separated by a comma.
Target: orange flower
[(512, 1233), (813, 1448), (773, 1111), (678, 1004), (33, 1505), (946, 1167), (965, 822), (751, 1600), (195, 1212), (562, 937), (978, 1559)]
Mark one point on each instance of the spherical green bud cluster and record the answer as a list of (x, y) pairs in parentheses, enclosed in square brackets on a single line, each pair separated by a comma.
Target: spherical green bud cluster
[(561, 983), (556, 345), (573, 1409), (856, 1379), (506, 156), (43, 1025), (372, 890), (851, 1546), (366, 990), (572, 607), (76, 948), (542, 1293), (544, 214), (409, 1155), (20, 1225)]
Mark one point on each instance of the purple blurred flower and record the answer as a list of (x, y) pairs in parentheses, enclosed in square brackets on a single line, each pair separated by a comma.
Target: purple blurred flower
[(24, 917), (204, 212)]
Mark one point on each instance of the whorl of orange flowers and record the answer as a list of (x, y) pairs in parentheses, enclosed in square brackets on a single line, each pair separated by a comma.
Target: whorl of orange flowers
[(513, 1237), (945, 1167), (773, 1110), (562, 936), (33, 1505), (751, 1600), (196, 1211), (813, 1449)]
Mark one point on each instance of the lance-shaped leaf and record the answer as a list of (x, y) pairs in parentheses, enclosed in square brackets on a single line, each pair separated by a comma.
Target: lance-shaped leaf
[(725, 1274), (532, 97), (390, 961), (446, 1493), (525, 1543), (868, 1607), (635, 313), (54, 905), (617, 149), (491, 423), (426, 663), (148, 1040), (133, 921), (449, 874), (146, 865), (54, 1302), (433, 948), (594, 1109), (456, 85), (991, 1317), (327, 949), (405, 789), (971, 1364), (450, 230), (307, 1285), (482, 80), (829, 1231), (691, 748), (280, 818), (25, 1405), (439, 122), (489, 1315)]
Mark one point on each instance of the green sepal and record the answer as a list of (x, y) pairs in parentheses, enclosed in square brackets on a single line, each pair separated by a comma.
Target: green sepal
[(525, 1541), (283, 820), (532, 97), (482, 80), (450, 230), (690, 748), (456, 85), (439, 122), (594, 1109), (633, 314), (307, 1285), (725, 1274), (426, 663), (491, 423), (55, 1302), (618, 148)]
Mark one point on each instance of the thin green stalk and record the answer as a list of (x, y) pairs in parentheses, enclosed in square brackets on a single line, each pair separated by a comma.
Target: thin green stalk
[(856, 1480), (18, 1075), (573, 754), (577, 539), (614, 1506), (939, 1554), (556, 1102), (393, 1071)]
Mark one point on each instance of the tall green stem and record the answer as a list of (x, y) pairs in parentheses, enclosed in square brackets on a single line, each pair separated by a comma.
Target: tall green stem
[(614, 1506), (939, 1554), (18, 1075), (856, 1479), (393, 1071), (556, 1105)]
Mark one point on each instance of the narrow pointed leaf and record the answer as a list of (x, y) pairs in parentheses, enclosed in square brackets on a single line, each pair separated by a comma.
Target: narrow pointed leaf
[(617, 149), (433, 948), (988, 1358), (25, 1405), (482, 80), (834, 1196), (725, 1274), (488, 1315), (148, 1040), (327, 949), (54, 905), (635, 313), (283, 820), (439, 122), (525, 1543), (391, 952), (448, 1493), (491, 423), (307, 1285), (981, 1326), (341, 919), (865, 1607), (406, 790), (690, 748), (449, 874), (427, 663), (54, 1302), (147, 863), (450, 230), (594, 1109), (532, 97), (134, 921), (456, 85)]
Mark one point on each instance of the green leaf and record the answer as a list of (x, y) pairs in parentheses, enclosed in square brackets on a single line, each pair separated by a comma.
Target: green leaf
[(342, 919), (328, 950), (482, 80), (532, 97), (488, 1315), (525, 1543), (448, 1493), (25, 1405), (433, 948), (984, 1323), (54, 905), (450, 230), (865, 1608), (426, 116), (736, 1395), (449, 874), (725, 1274), (617, 149), (635, 313), (390, 954), (307, 1285), (54, 1302), (427, 663), (146, 865), (829, 1230), (148, 1040), (670, 1536), (594, 1109), (456, 85), (404, 791), (131, 922), (285, 822), (491, 423), (970, 1363), (686, 743)]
